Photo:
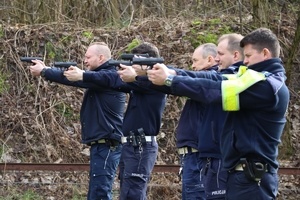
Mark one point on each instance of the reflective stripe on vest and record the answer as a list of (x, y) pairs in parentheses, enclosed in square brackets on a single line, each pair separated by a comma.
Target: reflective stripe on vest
[(242, 70), (232, 87)]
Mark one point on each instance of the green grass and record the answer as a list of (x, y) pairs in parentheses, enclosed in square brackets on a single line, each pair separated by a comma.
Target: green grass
[(27, 195)]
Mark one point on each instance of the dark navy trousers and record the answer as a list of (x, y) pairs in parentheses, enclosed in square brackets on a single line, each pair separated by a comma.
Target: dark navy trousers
[(215, 180), (135, 166), (103, 166), (192, 177), (239, 187)]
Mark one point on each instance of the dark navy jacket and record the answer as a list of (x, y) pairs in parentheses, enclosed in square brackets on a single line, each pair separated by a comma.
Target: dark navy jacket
[(190, 117), (145, 106), (102, 109), (212, 124), (254, 130), (190, 121)]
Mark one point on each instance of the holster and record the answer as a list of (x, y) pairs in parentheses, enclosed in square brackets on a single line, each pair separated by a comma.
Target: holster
[(142, 136), (138, 139), (254, 171), (111, 143), (132, 139)]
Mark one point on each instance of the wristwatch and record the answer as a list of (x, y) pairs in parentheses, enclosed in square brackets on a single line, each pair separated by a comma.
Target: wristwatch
[(43, 72), (168, 80)]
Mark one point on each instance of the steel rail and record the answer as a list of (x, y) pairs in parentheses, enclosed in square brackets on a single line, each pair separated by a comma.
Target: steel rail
[(69, 167), (86, 167)]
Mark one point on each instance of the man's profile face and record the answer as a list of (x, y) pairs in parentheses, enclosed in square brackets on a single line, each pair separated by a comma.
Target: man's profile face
[(224, 57), (199, 63), (252, 56), (92, 60)]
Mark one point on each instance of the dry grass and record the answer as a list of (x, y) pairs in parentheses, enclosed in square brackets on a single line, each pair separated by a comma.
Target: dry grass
[(40, 120)]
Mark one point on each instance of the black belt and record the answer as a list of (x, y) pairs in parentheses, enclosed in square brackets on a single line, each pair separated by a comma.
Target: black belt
[(253, 171), (108, 142), (186, 150)]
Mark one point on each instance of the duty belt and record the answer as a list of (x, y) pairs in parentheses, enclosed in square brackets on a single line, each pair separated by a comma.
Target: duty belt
[(253, 171), (239, 167), (148, 139), (102, 141), (108, 142), (186, 150)]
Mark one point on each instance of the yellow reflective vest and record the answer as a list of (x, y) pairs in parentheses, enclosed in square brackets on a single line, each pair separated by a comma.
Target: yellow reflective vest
[(236, 84)]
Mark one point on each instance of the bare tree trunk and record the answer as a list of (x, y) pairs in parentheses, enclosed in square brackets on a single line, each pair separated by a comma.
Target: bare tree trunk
[(115, 12), (286, 149), (59, 15), (241, 15), (292, 52), (261, 13)]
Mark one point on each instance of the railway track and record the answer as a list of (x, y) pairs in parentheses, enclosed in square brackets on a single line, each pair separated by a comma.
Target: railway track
[(86, 167)]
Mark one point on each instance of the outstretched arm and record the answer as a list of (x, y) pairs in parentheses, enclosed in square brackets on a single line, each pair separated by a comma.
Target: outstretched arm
[(74, 74), (36, 69), (159, 73), (127, 73)]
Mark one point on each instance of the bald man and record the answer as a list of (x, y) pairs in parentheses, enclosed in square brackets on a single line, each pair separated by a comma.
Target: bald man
[(101, 119)]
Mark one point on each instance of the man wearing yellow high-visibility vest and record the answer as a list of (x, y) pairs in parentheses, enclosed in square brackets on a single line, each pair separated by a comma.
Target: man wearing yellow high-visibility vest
[(257, 99)]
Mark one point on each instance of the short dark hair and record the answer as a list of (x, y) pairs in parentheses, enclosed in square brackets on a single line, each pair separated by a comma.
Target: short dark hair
[(146, 47), (262, 38)]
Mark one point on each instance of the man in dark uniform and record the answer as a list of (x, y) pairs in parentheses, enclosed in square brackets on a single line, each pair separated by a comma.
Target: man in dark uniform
[(188, 127), (101, 119), (257, 99), (205, 124), (229, 58), (141, 125), (189, 124)]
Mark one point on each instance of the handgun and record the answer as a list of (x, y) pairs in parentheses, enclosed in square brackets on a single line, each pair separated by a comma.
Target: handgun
[(147, 61), (64, 65), (29, 59), (130, 56), (116, 63)]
